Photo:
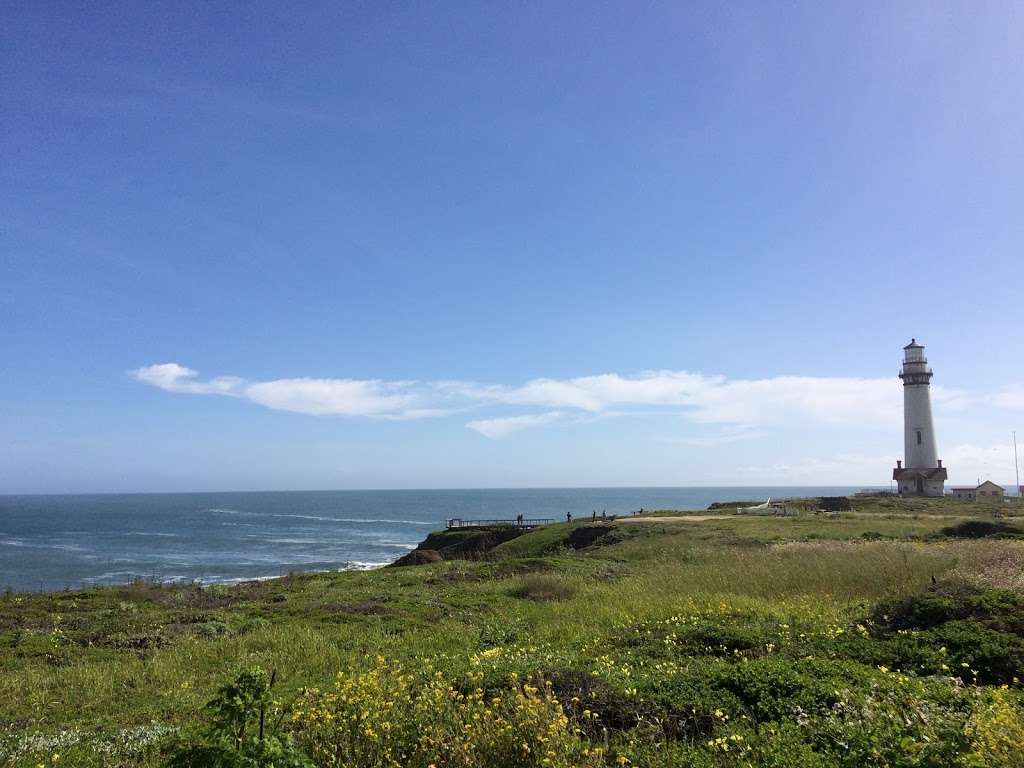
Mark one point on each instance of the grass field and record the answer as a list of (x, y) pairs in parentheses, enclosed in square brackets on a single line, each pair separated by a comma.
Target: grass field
[(882, 636)]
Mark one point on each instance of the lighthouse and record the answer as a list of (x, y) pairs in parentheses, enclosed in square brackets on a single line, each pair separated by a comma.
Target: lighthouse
[(923, 474)]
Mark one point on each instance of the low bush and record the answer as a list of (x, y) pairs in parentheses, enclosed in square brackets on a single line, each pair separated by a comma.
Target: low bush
[(726, 639), (898, 722), (980, 529), (214, 628), (783, 746), (729, 636), (779, 689), (956, 628), (990, 656), (584, 693), (588, 535), (537, 587)]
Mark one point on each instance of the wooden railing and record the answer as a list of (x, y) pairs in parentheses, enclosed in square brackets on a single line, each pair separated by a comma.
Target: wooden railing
[(516, 522)]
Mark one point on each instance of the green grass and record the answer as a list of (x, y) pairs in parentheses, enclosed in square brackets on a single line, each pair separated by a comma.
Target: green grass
[(102, 662)]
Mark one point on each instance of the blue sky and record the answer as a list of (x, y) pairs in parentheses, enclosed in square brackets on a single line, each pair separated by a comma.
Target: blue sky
[(472, 245)]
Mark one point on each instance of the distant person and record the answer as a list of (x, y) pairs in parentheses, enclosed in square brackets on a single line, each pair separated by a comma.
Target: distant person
[(568, 517), (519, 520), (593, 515)]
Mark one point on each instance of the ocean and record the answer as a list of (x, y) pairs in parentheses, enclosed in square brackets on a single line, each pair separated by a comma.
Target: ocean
[(55, 542)]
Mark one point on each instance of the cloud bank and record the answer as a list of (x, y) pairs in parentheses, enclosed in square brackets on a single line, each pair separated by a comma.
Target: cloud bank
[(739, 405)]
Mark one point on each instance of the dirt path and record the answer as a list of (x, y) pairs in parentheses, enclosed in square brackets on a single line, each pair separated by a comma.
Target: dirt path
[(669, 519)]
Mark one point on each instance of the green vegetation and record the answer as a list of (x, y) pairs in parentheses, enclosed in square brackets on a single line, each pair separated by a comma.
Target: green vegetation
[(889, 635), (238, 735)]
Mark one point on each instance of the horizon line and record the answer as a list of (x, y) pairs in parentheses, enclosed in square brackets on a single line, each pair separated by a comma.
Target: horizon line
[(862, 486)]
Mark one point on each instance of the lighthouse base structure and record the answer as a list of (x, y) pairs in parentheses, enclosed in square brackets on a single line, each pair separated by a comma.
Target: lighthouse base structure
[(920, 482)]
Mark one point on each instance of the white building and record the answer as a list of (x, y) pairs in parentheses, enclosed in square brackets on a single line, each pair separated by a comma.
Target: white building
[(987, 490), (923, 474)]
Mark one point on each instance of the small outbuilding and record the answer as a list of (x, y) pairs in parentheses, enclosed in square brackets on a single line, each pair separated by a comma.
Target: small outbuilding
[(987, 490)]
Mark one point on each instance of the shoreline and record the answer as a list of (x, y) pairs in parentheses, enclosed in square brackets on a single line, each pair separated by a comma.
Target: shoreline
[(945, 507)]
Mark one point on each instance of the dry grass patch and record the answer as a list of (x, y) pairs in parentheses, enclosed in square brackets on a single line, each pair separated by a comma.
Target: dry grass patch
[(543, 588), (989, 562)]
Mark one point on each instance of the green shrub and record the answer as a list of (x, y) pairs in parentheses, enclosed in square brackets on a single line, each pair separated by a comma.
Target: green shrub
[(689, 706), (785, 746), (780, 689), (955, 628), (725, 639), (980, 529), (238, 735), (582, 692), (922, 611), (671, 755), (999, 609), (995, 657), (898, 723), (212, 628), (721, 636), (253, 624)]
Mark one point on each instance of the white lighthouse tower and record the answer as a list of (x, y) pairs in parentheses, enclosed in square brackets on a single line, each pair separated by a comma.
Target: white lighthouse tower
[(923, 474)]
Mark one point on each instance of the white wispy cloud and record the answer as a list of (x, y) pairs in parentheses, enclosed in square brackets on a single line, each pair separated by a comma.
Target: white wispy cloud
[(317, 397), (344, 397), (177, 378), (714, 399), (743, 406), (504, 426), (1011, 397), (723, 436)]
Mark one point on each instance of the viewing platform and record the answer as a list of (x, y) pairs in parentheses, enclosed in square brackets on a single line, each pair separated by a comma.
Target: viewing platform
[(516, 522)]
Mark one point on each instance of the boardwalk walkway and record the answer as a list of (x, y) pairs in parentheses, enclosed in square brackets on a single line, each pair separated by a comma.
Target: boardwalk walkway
[(517, 522)]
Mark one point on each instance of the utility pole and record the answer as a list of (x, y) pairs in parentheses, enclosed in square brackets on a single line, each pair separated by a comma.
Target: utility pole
[(1016, 466)]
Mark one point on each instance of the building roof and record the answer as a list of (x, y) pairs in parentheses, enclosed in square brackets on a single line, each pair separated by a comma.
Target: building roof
[(913, 344), (976, 487), (932, 473)]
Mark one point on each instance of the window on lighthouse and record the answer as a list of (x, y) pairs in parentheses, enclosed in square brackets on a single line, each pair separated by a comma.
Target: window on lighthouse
[(919, 437)]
